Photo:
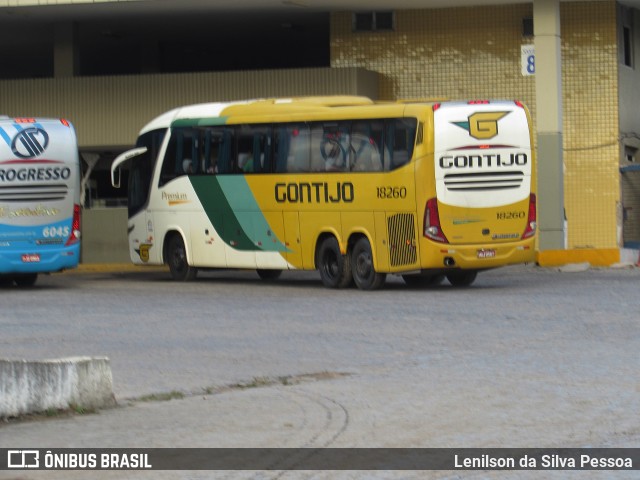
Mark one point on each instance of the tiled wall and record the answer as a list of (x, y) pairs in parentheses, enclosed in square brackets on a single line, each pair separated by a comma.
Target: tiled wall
[(629, 84), (474, 52), (590, 83)]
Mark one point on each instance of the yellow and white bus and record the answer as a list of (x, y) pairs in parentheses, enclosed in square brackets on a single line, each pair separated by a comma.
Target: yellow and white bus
[(350, 187)]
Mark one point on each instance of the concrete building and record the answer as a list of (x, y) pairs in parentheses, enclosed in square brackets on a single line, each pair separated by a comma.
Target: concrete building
[(110, 66)]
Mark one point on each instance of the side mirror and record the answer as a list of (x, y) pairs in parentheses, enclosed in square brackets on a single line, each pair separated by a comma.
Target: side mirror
[(115, 177), (120, 159)]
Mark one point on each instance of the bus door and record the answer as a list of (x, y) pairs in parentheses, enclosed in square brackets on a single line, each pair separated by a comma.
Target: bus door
[(140, 225)]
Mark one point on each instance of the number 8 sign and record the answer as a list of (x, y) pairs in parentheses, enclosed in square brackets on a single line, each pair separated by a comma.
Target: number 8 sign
[(528, 60)]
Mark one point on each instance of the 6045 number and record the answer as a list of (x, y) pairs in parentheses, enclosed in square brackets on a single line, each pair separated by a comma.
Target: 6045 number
[(50, 232)]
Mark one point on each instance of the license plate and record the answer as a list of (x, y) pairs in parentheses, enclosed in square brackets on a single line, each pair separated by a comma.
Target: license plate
[(486, 253), (30, 258)]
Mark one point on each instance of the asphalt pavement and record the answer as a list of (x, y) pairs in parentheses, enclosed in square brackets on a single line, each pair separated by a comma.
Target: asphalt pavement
[(526, 357)]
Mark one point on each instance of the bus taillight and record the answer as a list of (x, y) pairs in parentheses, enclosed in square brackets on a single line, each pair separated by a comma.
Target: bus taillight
[(532, 225), (75, 226), (432, 228)]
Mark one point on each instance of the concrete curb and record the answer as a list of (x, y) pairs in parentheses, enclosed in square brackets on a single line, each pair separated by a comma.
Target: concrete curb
[(116, 268), (37, 386)]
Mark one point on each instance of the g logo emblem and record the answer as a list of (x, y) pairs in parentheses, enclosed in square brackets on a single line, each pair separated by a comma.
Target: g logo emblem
[(482, 125), (30, 142)]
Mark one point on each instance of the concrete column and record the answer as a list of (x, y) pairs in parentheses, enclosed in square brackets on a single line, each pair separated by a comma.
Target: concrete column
[(546, 21), (65, 50)]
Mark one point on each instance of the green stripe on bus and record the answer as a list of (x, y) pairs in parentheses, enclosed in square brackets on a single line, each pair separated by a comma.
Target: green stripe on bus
[(199, 122), (234, 213)]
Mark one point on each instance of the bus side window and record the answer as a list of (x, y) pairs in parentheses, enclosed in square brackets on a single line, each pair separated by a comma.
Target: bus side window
[(262, 149), (292, 147), (180, 148), (184, 154), (244, 162), (281, 148), (254, 149), (317, 160), (226, 149), (207, 161), (298, 159), (366, 139), (335, 147), (213, 146), (187, 152), (400, 136)]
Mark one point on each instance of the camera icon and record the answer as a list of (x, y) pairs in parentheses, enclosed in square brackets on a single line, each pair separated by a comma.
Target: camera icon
[(23, 459)]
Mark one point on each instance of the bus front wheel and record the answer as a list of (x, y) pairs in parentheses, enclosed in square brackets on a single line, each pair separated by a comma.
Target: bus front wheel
[(364, 273), (177, 259), (266, 274), (335, 268)]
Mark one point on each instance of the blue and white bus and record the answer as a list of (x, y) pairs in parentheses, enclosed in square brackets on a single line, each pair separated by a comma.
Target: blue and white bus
[(39, 198)]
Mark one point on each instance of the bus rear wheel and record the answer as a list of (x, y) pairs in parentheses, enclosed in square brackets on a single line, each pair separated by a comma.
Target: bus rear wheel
[(364, 273), (334, 268), (26, 280), (177, 259), (462, 278)]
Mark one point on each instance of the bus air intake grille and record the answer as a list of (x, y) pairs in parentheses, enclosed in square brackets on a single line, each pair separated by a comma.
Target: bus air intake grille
[(33, 193), (402, 239), (485, 181)]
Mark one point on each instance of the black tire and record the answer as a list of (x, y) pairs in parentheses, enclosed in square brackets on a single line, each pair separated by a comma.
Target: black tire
[(364, 273), (179, 267), (334, 268), (26, 280), (462, 278), (266, 274), (423, 280)]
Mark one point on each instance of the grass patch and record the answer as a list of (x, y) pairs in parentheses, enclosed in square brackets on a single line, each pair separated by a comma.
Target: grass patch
[(162, 397), (80, 410), (256, 382)]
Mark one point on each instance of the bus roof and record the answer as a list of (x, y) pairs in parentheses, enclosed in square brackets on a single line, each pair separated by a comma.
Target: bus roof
[(5, 119), (255, 107), (293, 108)]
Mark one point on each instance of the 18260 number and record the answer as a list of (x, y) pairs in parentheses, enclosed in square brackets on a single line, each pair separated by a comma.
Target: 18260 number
[(391, 192), (510, 215)]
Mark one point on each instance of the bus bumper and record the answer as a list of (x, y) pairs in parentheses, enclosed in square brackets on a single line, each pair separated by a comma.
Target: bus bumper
[(480, 257), (39, 261)]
